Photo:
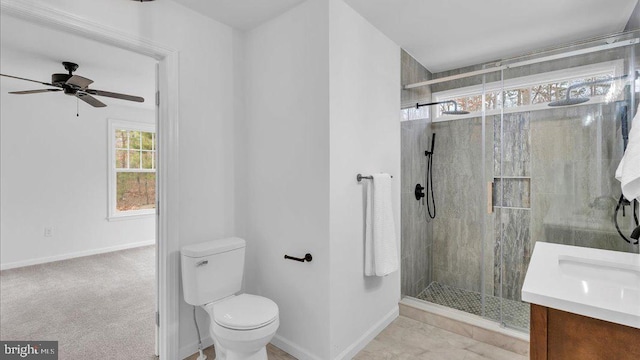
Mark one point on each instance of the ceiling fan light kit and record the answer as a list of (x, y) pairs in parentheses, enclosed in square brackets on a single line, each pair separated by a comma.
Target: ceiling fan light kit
[(74, 85)]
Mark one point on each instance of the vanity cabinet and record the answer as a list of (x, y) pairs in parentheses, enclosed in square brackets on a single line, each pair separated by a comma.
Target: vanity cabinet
[(561, 335)]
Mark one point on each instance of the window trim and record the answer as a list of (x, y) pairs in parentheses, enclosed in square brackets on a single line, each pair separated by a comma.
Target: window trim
[(616, 67), (113, 124)]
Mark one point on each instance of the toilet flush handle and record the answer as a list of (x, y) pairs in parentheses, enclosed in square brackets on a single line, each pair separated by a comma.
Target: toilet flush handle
[(202, 263)]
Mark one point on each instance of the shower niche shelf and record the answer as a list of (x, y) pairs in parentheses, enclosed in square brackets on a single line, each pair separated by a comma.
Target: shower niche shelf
[(517, 192)]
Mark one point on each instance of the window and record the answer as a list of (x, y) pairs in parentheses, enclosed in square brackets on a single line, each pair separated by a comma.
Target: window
[(132, 169), (533, 92)]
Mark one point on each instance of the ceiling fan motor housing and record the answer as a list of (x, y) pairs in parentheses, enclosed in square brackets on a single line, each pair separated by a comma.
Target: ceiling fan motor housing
[(69, 90)]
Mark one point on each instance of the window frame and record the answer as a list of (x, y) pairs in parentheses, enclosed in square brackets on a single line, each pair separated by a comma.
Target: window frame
[(614, 67), (129, 125)]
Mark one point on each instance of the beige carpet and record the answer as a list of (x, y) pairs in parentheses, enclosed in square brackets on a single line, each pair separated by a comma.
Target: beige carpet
[(96, 307)]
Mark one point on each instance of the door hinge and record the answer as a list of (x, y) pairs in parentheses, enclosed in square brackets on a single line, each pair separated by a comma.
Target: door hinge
[(157, 319), (158, 98)]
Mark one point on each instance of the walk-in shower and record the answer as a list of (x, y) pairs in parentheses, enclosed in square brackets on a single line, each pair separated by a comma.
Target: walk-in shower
[(527, 151)]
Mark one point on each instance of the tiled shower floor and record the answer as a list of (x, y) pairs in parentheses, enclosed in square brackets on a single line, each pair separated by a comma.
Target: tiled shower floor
[(515, 313)]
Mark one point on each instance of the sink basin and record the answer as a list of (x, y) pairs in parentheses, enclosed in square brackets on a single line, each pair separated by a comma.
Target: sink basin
[(596, 272), (602, 284)]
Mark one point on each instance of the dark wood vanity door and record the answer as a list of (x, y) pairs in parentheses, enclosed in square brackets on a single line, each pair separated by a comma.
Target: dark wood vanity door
[(560, 335)]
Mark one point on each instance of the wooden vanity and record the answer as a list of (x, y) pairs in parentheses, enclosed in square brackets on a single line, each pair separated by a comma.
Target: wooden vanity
[(561, 335), (585, 303)]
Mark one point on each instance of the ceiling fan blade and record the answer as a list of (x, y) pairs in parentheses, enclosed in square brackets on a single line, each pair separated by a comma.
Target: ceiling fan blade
[(115, 95), (35, 81), (79, 82), (89, 99), (33, 91)]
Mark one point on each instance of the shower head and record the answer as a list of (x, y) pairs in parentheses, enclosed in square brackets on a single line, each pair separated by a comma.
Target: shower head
[(455, 110), (568, 101), (575, 101)]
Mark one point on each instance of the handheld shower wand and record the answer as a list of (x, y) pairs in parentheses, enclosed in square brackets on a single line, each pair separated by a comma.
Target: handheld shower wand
[(431, 201)]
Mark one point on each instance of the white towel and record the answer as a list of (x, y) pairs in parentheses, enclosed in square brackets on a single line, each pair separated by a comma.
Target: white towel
[(381, 248), (628, 172)]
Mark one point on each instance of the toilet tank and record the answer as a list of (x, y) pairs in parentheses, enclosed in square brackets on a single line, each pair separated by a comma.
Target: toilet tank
[(212, 270)]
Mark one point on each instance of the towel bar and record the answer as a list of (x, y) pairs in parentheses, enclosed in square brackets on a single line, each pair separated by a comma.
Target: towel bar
[(359, 177)]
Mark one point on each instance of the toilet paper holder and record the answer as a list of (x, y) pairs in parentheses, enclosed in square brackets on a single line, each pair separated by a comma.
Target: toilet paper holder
[(307, 257)]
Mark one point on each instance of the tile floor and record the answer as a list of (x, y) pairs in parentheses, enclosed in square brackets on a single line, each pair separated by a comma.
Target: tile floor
[(272, 352), (514, 313), (408, 339)]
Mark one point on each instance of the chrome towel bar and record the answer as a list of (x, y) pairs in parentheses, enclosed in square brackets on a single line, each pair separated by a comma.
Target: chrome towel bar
[(359, 177)]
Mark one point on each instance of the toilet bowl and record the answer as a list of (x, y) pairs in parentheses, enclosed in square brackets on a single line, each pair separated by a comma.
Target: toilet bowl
[(242, 326)]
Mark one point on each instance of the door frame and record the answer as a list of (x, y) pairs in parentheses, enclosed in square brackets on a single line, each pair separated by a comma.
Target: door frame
[(167, 259)]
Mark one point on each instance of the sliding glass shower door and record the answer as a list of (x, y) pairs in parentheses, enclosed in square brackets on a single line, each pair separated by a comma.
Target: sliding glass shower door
[(532, 158), (562, 126)]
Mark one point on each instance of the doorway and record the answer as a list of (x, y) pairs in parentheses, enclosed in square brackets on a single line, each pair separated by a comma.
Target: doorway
[(167, 79)]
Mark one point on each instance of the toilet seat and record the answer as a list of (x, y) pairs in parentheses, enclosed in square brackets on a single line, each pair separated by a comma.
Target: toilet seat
[(245, 312)]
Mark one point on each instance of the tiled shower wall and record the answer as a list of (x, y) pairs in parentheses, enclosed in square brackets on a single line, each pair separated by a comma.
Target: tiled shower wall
[(553, 172), (512, 199), (416, 247), (460, 222)]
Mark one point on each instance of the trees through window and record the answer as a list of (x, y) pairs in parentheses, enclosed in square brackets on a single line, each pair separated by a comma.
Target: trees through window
[(533, 92), (132, 168)]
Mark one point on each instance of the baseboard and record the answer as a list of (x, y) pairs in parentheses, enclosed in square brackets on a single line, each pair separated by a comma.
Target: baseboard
[(293, 349), (78, 254), (351, 351), (363, 340), (192, 348)]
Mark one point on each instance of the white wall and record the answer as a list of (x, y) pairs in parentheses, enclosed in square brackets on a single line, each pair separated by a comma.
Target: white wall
[(285, 179), (322, 104), (297, 121), (54, 174), (206, 114), (365, 138)]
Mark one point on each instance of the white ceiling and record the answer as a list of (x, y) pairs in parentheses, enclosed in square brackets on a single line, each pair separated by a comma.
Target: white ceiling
[(440, 34), (240, 14), (35, 52), (449, 34)]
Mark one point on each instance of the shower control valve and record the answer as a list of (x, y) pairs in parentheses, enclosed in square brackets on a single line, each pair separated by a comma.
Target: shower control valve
[(419, 192)]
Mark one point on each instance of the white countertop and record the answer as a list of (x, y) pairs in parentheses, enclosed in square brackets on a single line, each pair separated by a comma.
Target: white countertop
[(601, 284)]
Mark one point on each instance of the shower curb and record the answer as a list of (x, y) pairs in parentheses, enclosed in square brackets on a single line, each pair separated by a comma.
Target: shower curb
[(464, 324)]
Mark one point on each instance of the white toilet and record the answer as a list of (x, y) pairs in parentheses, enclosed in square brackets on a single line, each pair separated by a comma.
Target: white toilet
[(241, 325)]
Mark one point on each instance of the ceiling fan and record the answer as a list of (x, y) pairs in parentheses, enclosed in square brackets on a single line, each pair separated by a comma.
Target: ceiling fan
[(74, 85)]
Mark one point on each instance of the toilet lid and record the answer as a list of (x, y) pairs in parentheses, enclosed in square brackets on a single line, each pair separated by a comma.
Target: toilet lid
[(244, 312)]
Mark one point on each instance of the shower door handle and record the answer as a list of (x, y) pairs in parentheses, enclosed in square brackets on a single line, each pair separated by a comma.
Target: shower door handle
[(490, 197)]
